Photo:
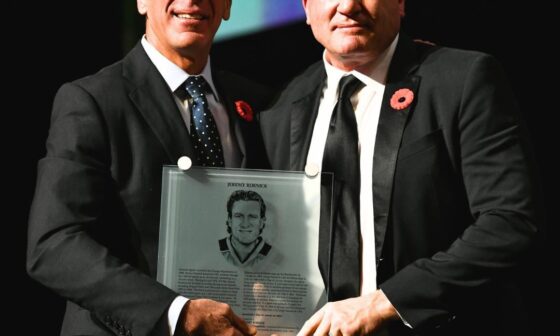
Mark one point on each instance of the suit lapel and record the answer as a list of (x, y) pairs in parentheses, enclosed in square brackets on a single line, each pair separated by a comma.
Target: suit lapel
[(389, 134), (154, 100), (228, 93), (303, 113)]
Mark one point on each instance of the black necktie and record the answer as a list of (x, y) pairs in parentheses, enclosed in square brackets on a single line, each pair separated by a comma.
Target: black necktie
[(342, 158), (204, 132)]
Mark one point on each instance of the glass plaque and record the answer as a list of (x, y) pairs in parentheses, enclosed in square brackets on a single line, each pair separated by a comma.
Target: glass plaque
[(244, 237)]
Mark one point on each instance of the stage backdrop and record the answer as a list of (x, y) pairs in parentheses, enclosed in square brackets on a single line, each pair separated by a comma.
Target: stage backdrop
[(249, 16)]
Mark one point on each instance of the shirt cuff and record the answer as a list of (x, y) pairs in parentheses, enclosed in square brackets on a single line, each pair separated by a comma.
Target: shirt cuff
[(173, 313)]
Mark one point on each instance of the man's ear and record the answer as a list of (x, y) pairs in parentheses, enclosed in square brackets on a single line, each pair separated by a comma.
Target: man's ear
[(142, 6), (227, 9), (304, 4)]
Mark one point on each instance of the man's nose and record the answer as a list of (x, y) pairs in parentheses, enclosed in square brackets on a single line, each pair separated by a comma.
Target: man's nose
[(348, 7)]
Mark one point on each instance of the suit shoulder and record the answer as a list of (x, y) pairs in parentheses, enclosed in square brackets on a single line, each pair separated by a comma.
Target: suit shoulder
[(448, 70), (453, 60), (309, 78), (109, 77), (259, 94), (232, 77), (105, 80), (105, 88), (301, 85)]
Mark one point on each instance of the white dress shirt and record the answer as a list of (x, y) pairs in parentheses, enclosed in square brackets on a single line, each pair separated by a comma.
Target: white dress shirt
[(367, 106)]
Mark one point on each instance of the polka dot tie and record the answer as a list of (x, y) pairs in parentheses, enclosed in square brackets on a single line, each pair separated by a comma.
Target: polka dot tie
[(204, 133)]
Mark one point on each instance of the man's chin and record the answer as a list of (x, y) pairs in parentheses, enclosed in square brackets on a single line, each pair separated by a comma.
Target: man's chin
[(247, 242), (349, 43), (190, 39)]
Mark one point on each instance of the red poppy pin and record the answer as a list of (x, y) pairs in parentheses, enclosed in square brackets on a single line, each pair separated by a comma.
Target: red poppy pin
[(402, 98), (244, 110)]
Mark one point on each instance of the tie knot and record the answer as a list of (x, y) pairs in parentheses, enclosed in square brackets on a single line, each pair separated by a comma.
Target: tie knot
[(347, 86), (196, 86)]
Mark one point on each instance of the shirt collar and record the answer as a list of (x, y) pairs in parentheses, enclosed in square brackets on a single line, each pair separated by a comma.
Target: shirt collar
[(378, 75), (173, 75)]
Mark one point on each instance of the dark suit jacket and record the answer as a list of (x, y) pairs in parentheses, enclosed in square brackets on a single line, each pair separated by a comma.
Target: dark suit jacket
[(94, 222), (453, 195)]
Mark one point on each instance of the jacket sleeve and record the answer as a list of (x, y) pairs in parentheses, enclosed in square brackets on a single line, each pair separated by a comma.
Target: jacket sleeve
[(496, 168), (74, 197)]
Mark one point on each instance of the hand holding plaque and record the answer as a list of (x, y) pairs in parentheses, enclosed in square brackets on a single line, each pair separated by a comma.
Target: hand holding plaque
[(246, 238), (209, 317)]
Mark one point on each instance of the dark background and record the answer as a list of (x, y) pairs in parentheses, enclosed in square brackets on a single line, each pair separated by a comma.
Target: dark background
[(50, 42)]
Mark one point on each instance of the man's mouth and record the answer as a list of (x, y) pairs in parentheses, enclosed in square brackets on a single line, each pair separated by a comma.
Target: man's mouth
[(189, 16), (350, 26)]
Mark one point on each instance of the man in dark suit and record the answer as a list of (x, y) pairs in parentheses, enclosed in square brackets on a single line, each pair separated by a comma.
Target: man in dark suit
[(444, 209), (94, 223)]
